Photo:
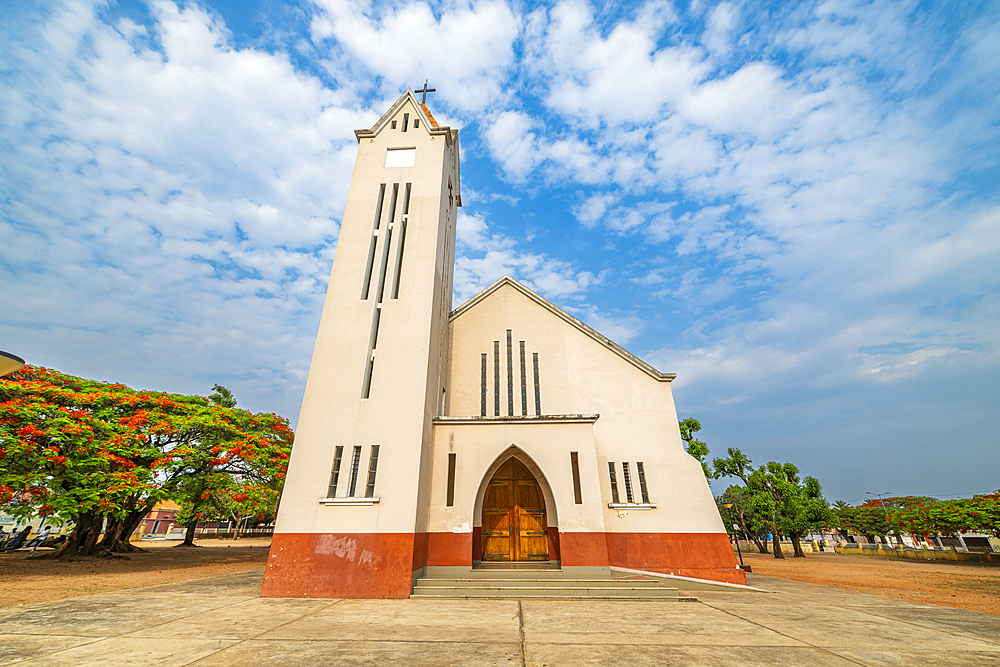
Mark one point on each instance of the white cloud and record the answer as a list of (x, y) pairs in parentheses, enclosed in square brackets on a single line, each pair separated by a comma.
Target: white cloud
[(465, 50), (181, 199), (512, 143), (483, 257)]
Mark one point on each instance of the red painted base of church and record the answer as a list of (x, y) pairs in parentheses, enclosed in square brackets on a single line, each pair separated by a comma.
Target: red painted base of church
[(381, 565), (344, 565), (699, 555)]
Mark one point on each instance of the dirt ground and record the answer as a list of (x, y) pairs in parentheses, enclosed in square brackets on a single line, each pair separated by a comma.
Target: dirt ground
[(973, 586), (24, 581), (964, 585)]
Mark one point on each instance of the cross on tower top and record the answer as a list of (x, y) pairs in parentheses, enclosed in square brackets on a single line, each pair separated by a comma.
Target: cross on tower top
[(424, 91)]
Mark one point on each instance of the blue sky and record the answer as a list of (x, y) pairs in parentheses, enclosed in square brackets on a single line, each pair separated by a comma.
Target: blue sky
[(792, 206)]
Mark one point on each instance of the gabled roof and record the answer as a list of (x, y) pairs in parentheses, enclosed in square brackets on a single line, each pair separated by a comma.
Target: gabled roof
[(425, 115), (566, 317)]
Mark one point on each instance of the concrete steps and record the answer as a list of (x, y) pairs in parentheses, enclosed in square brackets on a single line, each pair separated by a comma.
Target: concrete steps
[(544, 588)]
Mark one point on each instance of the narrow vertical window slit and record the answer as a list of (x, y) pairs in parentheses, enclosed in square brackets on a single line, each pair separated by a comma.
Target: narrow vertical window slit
[(399, 260), (392, 203), (335, 472), (451, 479), (574, 459), (371, 248), (378, 206), (524, 383), (642, 483), (384, 265), (366, 384), (538, 395), (510, 376), (628, 482), (614, 483), (482, 401), (372, 465), (355, 462), (406, 120), (496, 378)]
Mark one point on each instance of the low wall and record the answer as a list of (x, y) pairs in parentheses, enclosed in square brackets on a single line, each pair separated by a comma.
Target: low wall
[(919, 554)]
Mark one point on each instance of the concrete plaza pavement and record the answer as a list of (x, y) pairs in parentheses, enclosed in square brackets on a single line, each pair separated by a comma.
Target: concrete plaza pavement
[(222, 621)]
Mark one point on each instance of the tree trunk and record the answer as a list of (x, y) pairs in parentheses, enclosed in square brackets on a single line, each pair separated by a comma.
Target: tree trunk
[(797, 547), (111, 534), (118, 532), (190, 528), (756, 540), (763, 544), (776, 540), (80, 541)]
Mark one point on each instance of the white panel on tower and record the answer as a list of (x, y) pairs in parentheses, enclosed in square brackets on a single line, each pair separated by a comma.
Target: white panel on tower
[(400, 157)]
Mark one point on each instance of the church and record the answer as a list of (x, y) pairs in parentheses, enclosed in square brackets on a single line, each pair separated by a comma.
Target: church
[(503, 433)]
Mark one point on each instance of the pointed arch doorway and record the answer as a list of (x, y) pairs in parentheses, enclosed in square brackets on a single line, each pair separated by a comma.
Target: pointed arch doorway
[(514, 525)]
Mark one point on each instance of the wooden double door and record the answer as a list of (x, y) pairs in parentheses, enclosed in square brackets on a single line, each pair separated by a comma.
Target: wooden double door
[(514, 526)]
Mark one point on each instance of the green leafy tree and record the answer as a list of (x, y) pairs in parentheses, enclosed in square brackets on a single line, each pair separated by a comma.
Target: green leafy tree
[(806, 510), (693, 446), (222, 396), (93, 453), (219, 462), (751, 524), (984, 512), (787, 505)]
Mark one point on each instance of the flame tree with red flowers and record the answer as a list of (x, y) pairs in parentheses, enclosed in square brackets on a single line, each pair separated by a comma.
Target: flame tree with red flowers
[(101, 455)]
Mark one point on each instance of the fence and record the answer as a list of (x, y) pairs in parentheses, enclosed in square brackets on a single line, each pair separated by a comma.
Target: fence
[(879, 551)]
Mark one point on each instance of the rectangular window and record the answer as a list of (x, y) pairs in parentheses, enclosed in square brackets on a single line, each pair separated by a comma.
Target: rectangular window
[(538, 394), (406, 199), (482, 400), (496, 378), (335, 473), (394, 125), (510, 377), (400, 157), (574, 460), (642, 483), (628, 481), (406, 120), (614, 483), (355, 462), (372, 465), (451, 479), (416, 123), (524, 385)]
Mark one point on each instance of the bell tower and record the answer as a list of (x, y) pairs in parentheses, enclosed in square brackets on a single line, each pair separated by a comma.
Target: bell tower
[(350, 522)]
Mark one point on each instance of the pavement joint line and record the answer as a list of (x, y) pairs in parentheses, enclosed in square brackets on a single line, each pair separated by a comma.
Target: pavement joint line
[(520, 632), (245, 639), (862, 609), (181, 618), (761, 625)]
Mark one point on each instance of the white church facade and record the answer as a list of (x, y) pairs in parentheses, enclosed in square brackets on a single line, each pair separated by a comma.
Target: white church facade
[(504, 431)]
